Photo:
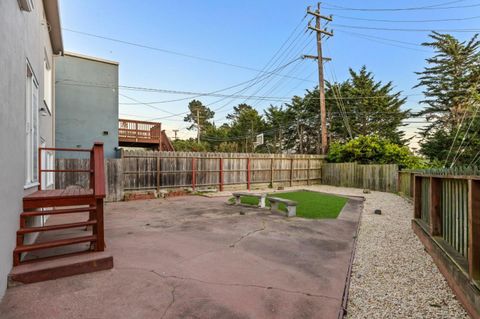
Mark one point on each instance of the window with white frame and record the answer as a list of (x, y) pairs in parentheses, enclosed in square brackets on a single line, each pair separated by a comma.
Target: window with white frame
[(47, 83), (31, 128)]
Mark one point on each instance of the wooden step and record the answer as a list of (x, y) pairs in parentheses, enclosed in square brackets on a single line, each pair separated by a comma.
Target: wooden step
[(59, 267), (27, 230), (54, 243), (58, 211)]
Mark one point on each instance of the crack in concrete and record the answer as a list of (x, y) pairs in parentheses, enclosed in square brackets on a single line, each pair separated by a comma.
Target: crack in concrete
[(248, 234), (171, 302), (241, 285)]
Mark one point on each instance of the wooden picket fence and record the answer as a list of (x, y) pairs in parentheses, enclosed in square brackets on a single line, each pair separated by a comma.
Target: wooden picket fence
[(374, 177), (154, 170)]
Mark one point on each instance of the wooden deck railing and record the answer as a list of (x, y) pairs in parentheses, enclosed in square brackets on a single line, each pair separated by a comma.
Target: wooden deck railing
[(139, 131), (96, 170)]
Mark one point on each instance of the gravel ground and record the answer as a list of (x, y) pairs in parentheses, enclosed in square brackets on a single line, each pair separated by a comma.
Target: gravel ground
[(392, 275)]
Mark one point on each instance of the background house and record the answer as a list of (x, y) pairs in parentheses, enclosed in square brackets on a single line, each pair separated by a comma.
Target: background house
[(30, 35), (87, 103)]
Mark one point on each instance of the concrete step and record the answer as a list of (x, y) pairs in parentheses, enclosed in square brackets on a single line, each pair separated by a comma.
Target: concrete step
[(58, 267)]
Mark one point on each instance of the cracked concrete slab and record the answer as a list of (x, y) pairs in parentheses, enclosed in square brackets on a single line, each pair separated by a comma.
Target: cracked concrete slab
[(198, 257)]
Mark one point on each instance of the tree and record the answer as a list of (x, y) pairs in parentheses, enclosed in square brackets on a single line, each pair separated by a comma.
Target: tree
[(276, 120), (363, 106), (373, 150), (199, 115), (451, 82), (246, 122)]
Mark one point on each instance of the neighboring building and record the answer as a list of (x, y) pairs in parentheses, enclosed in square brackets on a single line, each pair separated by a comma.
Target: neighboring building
[(143, 134), (87, 103), (30, 35)]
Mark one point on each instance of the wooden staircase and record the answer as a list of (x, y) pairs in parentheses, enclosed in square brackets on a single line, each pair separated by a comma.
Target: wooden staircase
[(75, 202)]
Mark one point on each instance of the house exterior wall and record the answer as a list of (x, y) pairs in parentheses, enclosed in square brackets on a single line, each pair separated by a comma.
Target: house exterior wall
[(24, 37), (86, 103)]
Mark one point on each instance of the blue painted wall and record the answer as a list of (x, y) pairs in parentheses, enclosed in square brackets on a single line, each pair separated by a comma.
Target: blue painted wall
[(86, 99)]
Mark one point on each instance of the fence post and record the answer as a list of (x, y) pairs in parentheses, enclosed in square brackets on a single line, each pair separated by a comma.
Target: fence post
[(435, 208), (194, 172), (158, 172), (474, 229), (291, 172), (417, 197), (308, 171), (220, 173), (271, 171), (248, 173)]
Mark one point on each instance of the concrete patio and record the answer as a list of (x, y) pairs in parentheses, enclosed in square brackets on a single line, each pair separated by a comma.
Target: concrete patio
[(198, 257)]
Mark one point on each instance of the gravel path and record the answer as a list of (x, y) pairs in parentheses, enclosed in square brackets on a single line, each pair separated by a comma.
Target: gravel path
[(392, 275)]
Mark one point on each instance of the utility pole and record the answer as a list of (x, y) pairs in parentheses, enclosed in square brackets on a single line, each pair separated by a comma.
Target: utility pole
[(320, 58), (198, 125), (175, 132)]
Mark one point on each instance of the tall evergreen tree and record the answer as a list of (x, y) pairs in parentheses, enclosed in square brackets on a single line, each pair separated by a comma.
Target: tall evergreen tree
[(245, 124), (199, 116), (451, 82), (366, 106)]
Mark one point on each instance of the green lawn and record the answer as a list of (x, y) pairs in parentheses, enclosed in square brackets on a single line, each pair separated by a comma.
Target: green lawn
[(310, 204)]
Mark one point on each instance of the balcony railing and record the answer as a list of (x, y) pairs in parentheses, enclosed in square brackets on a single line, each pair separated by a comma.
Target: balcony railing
[(132, 131)]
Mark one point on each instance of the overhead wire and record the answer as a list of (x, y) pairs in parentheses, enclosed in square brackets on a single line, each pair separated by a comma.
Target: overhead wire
[(149, 47)]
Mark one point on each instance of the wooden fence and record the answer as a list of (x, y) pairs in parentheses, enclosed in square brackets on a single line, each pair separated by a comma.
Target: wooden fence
[(447, 213), (113, 176), (405, 183), (149, 170), (375, 177)]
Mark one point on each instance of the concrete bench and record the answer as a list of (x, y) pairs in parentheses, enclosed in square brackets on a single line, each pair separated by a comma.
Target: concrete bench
[(261, 197), (291, 205)]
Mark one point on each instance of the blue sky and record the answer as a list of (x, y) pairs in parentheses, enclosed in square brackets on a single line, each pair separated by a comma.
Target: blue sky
[(248, 33)]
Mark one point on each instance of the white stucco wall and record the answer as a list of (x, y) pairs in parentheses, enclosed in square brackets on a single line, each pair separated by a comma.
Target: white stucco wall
[(23, 36)]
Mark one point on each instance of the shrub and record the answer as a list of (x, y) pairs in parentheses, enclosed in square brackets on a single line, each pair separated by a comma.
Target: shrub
[(374, 150)]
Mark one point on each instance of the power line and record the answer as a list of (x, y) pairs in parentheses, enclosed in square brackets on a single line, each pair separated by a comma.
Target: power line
[(441, 6), (144, 46), (263, 77), (404, 29), (408, 21)]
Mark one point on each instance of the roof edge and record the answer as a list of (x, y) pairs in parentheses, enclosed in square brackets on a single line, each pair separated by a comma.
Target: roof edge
[(88, 57), (52, 12)]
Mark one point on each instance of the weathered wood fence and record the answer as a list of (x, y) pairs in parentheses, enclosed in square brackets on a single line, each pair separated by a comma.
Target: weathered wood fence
[(405, 182), (113, 176), (447, 220), (375, 177), (153, 170)]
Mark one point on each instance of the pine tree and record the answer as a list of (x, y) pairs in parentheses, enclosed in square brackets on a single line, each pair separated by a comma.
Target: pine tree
[(448, 79), (451, 82), (367, 107)]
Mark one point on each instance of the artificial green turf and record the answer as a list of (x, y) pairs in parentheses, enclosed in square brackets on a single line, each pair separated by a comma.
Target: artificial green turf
[(309, 204)]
